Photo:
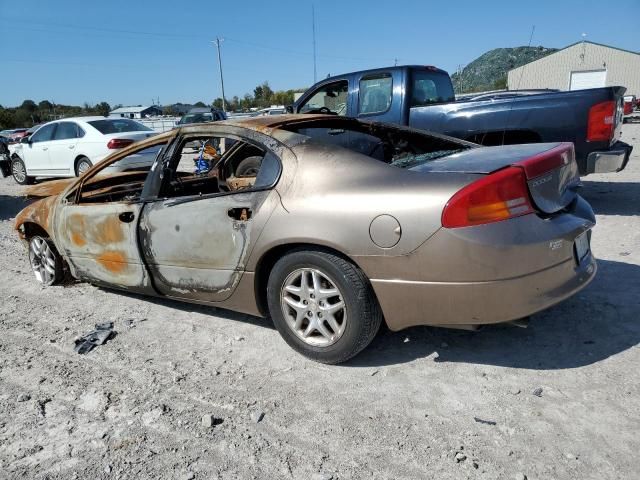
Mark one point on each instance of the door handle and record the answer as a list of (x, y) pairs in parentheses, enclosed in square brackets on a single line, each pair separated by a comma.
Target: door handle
[(72, 146), (45, 148), (240, 213), (126, 217)]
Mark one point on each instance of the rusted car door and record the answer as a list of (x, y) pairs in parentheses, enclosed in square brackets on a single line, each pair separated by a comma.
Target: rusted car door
[(100, 242), (196, 246), (198, 249), (98, 234)]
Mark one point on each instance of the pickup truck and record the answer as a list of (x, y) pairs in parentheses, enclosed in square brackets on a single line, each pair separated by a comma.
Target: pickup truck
[(422, 97)]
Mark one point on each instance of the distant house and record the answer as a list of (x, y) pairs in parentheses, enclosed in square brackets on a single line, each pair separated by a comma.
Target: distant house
[(139, 111), (581, 65)]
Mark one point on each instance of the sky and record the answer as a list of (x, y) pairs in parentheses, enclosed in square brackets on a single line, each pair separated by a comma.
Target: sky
[(132, 52)]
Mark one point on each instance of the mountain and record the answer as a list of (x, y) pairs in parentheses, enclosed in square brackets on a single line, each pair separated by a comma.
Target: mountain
[(489, 70)]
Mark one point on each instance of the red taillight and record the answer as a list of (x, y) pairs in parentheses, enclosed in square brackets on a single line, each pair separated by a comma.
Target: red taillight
[(119, 143), (550, 159), (496, 197), (600, 126)]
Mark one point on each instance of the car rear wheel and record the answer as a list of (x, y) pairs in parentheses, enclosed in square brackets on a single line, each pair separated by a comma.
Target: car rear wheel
[(45, 261), (83, 165), (19, 172), (322, 305)]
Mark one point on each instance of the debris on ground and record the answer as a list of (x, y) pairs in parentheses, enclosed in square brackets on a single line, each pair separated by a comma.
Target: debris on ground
[(484, 422), (537, 392), (257, 416), (102, 333), (210, 421)]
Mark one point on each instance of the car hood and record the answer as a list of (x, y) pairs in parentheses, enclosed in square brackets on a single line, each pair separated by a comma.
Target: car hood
[(46, 189)]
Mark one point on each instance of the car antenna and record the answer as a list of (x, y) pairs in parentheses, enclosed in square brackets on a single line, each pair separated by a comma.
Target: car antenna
[(504, 131)]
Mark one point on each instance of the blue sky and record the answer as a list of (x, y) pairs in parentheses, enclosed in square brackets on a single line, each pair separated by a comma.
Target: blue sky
[(129, 52)]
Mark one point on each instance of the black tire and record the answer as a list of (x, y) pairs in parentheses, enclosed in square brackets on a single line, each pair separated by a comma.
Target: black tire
[(249, 167), (364, 314), (16, 165), (82, 165), (38, 257)]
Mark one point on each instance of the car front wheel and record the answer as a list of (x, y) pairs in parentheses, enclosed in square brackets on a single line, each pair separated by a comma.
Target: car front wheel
[(45, 261), (322, 305), (19, 172)]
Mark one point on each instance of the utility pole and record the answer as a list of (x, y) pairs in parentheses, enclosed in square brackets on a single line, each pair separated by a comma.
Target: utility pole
[(313, 27), (224, 102)]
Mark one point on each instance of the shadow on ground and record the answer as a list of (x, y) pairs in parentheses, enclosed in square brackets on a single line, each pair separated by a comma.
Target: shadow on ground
[(10, 206), (601, 321), (201, 309), (612, 198)]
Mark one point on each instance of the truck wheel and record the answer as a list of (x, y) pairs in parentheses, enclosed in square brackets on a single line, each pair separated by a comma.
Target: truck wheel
[(249, 167), (19, 172), (322, 305)]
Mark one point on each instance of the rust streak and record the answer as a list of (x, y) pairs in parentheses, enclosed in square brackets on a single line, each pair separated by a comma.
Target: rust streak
[(78, 239), (114, 261), (108, 231)]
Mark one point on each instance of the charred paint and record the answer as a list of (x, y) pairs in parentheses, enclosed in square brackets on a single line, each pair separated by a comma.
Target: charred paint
[(47, 189), (109, 231), (38, 212), (114, 261)]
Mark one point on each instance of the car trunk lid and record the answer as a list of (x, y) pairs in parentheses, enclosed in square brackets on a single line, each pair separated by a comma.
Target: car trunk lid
[(550, 169)]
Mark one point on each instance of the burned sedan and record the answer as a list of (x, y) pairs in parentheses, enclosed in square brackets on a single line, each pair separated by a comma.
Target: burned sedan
[(326, 224)]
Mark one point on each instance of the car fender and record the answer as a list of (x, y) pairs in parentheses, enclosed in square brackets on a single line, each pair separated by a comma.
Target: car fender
[(39, 213)]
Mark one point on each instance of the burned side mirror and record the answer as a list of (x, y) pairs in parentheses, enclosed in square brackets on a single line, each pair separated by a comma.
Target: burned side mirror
[(289, 108)]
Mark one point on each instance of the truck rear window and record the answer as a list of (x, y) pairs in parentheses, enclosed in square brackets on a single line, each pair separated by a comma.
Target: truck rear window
[(430, 87)]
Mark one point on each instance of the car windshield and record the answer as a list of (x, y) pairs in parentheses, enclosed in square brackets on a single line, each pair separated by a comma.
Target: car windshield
[(395, 146), (118, 125), (196, 118)]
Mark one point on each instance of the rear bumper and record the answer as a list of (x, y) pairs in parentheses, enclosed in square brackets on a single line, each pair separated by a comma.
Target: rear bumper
[(462, 304), (613, 160)]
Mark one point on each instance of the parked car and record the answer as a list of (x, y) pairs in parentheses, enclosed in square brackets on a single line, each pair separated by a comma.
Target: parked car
[(17, 134), (5, 164), (629, 104), (422, 97), (273, 110), (6, 133), (69, 147), (201, 115), (403, 226)]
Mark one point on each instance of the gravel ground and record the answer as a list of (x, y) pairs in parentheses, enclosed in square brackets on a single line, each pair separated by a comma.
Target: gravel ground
[(191, 392)]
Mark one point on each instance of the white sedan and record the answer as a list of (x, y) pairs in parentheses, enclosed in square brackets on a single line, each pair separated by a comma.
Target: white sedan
[(69, 147)]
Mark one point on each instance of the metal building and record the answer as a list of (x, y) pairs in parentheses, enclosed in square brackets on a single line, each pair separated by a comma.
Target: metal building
[(581, 65)]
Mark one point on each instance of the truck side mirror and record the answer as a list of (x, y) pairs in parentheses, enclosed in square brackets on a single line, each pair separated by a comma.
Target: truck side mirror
[(289, 108)]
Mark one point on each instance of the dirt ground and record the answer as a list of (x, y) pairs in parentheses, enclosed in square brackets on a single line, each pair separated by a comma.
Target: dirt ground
[(559, 400)]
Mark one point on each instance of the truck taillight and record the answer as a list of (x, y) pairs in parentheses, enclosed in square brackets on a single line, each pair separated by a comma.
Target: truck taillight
[(119, 143), (496, 197), (601, 121)]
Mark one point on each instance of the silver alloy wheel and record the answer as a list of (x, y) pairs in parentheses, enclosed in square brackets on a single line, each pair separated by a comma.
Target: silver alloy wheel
[(313, 307), (83, 167), (43, 260), (18, 171)]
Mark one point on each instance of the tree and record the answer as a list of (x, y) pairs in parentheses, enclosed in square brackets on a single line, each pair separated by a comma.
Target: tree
[(45, 106), (217, 103), (102, 108), (500, 83), (29, 106), (199, 104)]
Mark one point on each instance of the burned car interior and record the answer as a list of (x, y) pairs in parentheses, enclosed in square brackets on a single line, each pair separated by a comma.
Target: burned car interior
[(402, 148), (231, 165)]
